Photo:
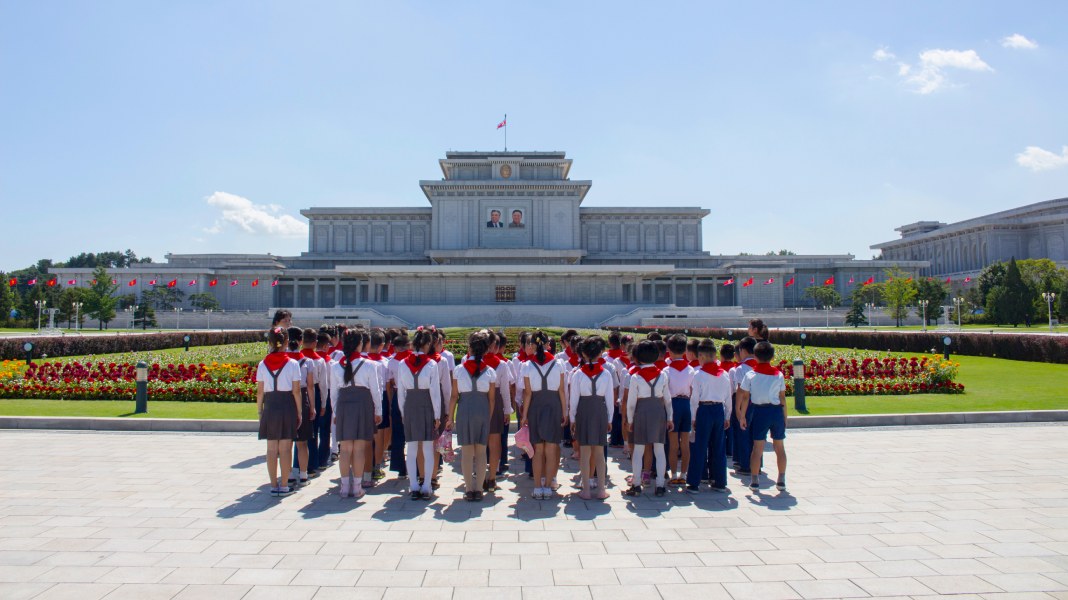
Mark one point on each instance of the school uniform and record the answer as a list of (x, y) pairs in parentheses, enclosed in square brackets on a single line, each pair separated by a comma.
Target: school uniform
[(501, 417), (473, 412), (680, 376), (710, 406), (518, 363), (743, 445), (591, 400), (325, 417), (278, 420), (764, 383), (304, 431), (357, 402), (396, 440), (649, 409), (336, 354), (381, 363), (419, 397), (726, 365), (616, 359), (545, 413), (317, 368)]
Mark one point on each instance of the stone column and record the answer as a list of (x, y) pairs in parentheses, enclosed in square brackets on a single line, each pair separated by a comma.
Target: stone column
[(315, 293)]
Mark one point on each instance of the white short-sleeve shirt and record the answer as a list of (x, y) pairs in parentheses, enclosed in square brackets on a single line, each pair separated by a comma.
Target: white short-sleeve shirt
[(763, 389), (289, 375), (463, 379)]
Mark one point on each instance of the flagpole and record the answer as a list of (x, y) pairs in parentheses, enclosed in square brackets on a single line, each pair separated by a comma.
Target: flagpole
[(506, 132)]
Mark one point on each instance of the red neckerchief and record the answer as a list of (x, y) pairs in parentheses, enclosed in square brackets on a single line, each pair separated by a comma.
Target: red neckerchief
[(400, 356), (680, 364), (351, 359), (325, 355), (522, 356), (712, 369), (767, 369), (695, 364), (276, 360), (661, 364), (295, 355), (548, 359), (569, 353), (593, 370), (500, 357), (337, 347), (434, 356), (752, 362), (615, 353), (491, 360), (389, 350), (416, 362), (309, 353), (625, 360), (573, 360), (375, 356), (727, 365), (632, 369), (469, 366), (649, 373)]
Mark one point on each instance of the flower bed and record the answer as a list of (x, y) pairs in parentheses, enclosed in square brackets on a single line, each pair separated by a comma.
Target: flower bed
[(872, 375)]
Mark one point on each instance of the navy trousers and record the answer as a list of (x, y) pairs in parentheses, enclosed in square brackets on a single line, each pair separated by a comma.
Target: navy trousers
[(615, 438), (322, 424), (396, 440), (708, 447)]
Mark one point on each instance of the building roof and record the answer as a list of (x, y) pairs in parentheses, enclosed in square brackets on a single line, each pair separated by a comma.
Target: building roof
[(1023, 215)]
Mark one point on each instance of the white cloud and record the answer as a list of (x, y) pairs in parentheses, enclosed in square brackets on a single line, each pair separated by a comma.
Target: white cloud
[(1019, 42), (253, 218), (1039, 159), (929, 75)]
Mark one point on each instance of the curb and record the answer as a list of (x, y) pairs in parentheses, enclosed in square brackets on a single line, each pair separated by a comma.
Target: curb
[(795, 422)]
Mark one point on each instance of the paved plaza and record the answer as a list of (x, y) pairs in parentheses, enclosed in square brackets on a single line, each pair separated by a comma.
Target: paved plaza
[(969, 511)]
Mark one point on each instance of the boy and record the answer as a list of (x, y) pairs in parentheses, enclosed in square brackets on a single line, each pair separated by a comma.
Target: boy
[(680, 377), (763, 392), (726, 362), (710, 406), (326, 416), (743, 446), (396, 446)]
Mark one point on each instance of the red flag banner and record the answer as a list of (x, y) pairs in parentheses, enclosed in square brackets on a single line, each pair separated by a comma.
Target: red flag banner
[(274, 283), (153, 282), (503, 123), (132, 282), (192, 282), (769, 281), (12, 282), (51, 283), (748, 282), (72, 282), (729, 282), (33, 281), (967, 280), (172, 283), (213, 283), (114, 281), (829, 280), (851, 281), (869, 281), (255, 282), (949, 280), (233, 283), (789, 283)]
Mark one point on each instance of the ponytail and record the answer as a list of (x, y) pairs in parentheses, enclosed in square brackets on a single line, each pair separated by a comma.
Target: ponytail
[(540, 341), (277, 339), (351, 342), (477, 344)]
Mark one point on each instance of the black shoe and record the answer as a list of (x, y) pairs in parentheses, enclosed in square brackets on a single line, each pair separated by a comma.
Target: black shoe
[(426, 495), (469, 496), (692, 489), (660, 491), (567, 444), (754, 487), (434, 483), (415, 495), (781, 484), (479, 496), (634, 490)]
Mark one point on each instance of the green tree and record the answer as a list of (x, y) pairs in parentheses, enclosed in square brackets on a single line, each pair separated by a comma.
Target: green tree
[(163, 297), (823, 295), (899, 293), (66, 304), (7, 300), (856, 316), (935, 293), (205, 301), (1015, 304), (101, 301), (144, 316)]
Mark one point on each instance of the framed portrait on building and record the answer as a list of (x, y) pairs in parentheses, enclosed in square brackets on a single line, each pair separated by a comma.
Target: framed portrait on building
[(517, 219), (494, 218)]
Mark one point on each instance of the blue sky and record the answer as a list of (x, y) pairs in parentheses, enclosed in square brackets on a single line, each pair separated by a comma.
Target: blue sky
[(813, 126)]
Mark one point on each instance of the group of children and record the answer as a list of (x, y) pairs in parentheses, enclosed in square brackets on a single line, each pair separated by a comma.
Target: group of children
[(345, 395)]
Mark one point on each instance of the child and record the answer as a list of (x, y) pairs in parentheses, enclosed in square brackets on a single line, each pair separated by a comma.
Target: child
[(649, 415), (382, 434), (615, 353), (324, 422), (691, 352), (278, 406), (764, 390), (522, 357), (592, 399), (743, 446), (680, 376), (502, 410), (358, 399), (396, 440), (475, 393), (710, 407), (299, 476), (544, 413), (726, 362), (419, 398), (318, 369)]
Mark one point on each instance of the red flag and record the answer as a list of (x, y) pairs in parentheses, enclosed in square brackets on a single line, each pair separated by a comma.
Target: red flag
[(213, 282), (770, 281), (114, 281), (503, 123), (94, 281), (13, 282), (233, 283), (274, 283), (967, 280), (153, 282), (172, 283), (72, 282), (255, 282), (51, 282), (32, 281), (850, 282), (949, 280), (132, 282), (869, 281), (729, 281), (789, 283), (193, 282), (829, 280), (748, 282)]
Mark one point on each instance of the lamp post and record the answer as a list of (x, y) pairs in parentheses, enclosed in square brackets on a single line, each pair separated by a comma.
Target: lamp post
[(923, 306), (177, 316), (799, 309), (77, 310), (958, 302), (40, 304), (870, 306), (208, 311), (828, 309), (1049, 297)]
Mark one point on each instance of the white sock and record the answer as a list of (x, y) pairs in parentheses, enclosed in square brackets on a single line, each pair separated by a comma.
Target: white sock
[(356, 482), (303, 474), (366, 474)]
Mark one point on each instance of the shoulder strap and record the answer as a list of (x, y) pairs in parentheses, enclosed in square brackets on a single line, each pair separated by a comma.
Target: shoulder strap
[(545, 375), (593, 383), (652, 386), (274, 376)]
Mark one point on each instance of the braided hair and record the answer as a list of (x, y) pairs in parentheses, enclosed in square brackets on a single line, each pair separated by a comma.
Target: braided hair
[(350, 344), (477, 344)]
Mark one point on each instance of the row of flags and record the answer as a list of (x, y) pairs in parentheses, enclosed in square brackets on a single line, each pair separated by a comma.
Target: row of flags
[(829, 281), (12, 282)]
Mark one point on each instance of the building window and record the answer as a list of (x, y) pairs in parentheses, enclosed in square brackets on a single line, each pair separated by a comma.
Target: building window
[(505, 293)]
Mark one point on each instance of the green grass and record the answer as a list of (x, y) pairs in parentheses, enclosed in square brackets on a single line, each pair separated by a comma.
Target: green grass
[(1034, 328), (125, 408)]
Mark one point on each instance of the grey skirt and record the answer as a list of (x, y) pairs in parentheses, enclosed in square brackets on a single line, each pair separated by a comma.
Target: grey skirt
[(419, 417), (591, 421), (472, 418), (498, 419), (304, 431), (544, 417), (650, 421), (279, 418), (355, 415)]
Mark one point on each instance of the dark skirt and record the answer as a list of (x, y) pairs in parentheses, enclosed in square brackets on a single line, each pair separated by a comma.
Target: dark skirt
[(498, 420), (591, 421), (472, 418), (279, 418), (304, 432), (544, 417), (355, 415), (386, 411), (419, 417), (650, 421)]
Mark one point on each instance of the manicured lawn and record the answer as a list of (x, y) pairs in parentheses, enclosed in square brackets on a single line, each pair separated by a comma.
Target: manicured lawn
[(125, 408)]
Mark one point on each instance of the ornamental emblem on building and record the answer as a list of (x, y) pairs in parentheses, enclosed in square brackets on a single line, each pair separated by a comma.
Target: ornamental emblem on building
[(506, 171)]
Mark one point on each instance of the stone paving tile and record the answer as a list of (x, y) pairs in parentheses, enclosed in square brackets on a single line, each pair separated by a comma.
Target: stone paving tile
[(988, 519)]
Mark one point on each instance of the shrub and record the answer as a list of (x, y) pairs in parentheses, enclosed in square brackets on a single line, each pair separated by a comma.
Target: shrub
[(79, 345)]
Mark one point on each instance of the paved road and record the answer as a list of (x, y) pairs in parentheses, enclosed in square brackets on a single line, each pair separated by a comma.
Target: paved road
[(977, 511)]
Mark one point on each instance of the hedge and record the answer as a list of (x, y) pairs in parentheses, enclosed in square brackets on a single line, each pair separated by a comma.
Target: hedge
[(79, 345), (1013, 346)]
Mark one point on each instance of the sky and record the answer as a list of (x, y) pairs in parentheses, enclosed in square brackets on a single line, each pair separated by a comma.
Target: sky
[(816, 127)]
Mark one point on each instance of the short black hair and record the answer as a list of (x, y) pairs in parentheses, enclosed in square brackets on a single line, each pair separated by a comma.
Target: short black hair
[(676, 343), (726, 351), (280, 315), (646, 352), (661, 347), (655, 335), (747, 344), (706, 347), (764, 352)]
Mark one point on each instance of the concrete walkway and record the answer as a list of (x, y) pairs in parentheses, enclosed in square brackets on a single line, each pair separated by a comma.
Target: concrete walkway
[(976, 511)]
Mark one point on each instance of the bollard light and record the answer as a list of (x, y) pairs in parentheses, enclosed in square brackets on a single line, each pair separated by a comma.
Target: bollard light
[(799, 386), (28, 349), (141, 377), (804, 336), (945, 346), (186, 340)]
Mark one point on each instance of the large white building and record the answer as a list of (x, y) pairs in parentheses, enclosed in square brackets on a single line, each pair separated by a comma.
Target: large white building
[(507, 238)]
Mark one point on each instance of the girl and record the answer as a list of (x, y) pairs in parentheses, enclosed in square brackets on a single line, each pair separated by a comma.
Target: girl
[(307, 409), (473, 389), (279, 407), (419, 400), (382, 435), (521, 358), (592, 401), (649, 415), (543, 412), (501, 410), (357, 412)]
